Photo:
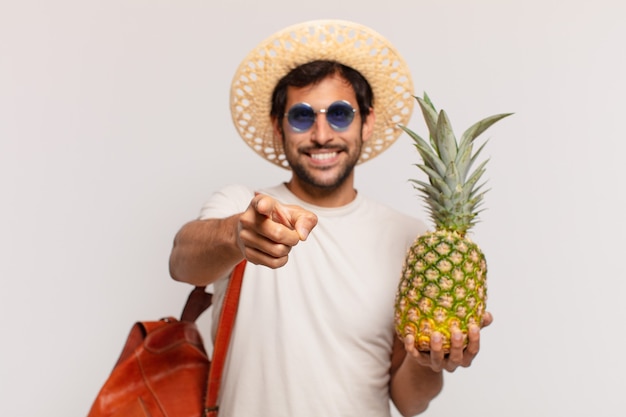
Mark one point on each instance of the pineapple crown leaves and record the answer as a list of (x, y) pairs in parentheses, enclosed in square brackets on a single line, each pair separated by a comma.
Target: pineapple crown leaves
[(452, 194)]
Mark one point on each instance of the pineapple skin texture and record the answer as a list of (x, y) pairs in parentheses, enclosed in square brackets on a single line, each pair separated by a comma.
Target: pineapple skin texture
[(443, 287)]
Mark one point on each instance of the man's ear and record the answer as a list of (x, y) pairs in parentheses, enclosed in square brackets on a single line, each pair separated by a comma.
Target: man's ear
[(277, 130), (368, 125)]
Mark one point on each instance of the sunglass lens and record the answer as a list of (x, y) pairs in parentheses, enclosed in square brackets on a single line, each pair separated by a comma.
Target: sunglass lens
[(301, 117), (339, 115)]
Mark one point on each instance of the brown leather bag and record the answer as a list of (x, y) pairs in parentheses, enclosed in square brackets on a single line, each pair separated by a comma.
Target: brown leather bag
[(164, 370)]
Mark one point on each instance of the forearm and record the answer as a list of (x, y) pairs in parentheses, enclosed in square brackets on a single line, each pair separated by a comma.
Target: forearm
[(204, 250), (413, 386)]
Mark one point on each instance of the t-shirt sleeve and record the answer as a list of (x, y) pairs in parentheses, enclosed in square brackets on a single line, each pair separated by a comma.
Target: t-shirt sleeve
[(227, 201)]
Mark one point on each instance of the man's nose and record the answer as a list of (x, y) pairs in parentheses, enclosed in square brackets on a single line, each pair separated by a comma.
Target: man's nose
[(321, 132)]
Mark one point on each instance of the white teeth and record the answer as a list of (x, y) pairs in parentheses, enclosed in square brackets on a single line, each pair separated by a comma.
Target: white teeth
[(323, 156)]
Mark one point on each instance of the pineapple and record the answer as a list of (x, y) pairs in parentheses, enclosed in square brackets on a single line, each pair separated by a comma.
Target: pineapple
[(443, 283)]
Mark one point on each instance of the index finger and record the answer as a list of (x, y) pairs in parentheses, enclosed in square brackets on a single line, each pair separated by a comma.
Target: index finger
[(293, 217), (272, 209)]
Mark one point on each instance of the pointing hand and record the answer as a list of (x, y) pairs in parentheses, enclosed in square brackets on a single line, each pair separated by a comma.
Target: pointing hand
[(268, 230)]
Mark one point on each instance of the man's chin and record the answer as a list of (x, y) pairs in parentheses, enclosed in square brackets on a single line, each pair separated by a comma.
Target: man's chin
[(323, 179)]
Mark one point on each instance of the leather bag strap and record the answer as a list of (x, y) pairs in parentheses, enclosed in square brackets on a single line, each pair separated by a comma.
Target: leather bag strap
[(222, 338), (197, 303)]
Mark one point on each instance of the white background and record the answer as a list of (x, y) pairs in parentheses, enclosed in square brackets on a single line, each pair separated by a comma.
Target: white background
[(114, 128)]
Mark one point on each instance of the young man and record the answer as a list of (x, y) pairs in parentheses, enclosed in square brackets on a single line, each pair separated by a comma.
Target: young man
[(314, 333)]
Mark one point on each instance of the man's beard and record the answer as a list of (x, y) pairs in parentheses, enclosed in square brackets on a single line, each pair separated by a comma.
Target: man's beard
[(307, 177)]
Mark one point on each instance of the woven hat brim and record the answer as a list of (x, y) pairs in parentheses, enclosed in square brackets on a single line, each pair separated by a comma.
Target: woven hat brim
[(349, 43)]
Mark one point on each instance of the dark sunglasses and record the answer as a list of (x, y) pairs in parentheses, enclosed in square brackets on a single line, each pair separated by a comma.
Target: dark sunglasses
[(302, 116)]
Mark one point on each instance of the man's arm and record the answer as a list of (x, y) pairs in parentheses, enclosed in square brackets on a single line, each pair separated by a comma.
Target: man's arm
[(412, 385), (264, 234), (205, 250), (417, 377)]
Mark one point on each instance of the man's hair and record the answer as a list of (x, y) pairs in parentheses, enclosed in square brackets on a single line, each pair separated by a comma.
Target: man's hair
[(314, 72)]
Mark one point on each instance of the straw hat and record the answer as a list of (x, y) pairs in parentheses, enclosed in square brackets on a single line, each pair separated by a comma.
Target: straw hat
[(349, 43)]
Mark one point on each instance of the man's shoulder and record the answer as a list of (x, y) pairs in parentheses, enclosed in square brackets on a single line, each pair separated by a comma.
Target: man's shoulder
[(234, 190), (388, 216), (387, 209), (227, 200)]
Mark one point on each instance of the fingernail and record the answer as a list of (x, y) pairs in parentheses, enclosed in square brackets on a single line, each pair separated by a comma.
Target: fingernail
[(303, 234)]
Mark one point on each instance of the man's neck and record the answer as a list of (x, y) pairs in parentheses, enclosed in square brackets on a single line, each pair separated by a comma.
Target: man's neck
[(323, 197)]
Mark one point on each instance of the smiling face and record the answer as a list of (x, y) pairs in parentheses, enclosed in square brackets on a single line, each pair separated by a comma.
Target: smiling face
[(322, 159)]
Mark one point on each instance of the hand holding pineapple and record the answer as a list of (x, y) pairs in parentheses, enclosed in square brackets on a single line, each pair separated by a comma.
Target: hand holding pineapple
[(442, 292), (459, 354)]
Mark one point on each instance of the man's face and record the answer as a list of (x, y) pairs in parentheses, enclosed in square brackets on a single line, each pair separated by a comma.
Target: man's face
[(322, 157)]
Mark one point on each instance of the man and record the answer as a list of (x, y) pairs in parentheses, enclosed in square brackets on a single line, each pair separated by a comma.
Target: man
[(314, 333)]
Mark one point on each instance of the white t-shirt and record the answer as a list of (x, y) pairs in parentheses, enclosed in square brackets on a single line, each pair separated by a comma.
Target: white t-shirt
[(314, 338)]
